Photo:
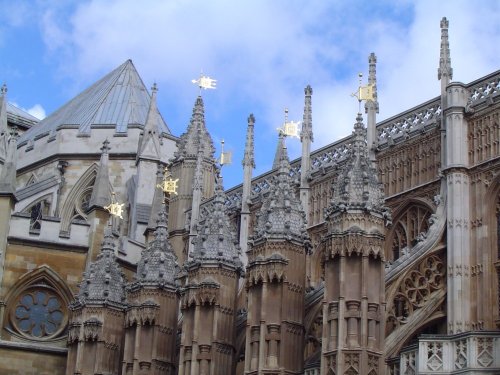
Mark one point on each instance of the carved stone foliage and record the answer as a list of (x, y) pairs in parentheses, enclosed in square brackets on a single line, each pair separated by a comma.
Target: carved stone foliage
[(415, 289), (267, 269), (206, 292), (92, 329), (409, 228), (353, 244), (146, 313)]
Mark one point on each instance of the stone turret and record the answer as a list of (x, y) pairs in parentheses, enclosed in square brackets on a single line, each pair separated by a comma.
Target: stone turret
[(248, 165), (354, 298), (208, 300), (195, 152), (95, 332), (151, 320), (275, 280)]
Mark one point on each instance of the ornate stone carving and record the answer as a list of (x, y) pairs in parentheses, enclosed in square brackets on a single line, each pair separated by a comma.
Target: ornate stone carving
[(485, 351), (415, 289)]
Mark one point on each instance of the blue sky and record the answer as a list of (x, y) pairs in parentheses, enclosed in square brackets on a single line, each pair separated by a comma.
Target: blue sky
[(263, 54)]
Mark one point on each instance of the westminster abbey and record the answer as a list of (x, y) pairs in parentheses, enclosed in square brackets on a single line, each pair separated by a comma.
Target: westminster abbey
[(122, 254)]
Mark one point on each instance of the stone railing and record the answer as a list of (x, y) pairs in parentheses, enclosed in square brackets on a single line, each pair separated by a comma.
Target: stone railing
[(485, 88), (471, 352)]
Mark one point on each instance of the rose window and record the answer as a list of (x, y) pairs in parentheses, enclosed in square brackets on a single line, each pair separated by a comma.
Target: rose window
[(39, 314)]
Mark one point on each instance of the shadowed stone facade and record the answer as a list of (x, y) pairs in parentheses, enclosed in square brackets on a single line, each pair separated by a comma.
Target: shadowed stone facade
[(376, 254)]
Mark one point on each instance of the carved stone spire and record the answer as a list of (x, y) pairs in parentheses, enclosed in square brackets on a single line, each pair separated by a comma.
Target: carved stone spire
[(248, 157), (3, 109), (215, 240), (3, 125), (103, 281), (158, 200), (8, 172), (280, 150), (307, 130), (281, 216), (149, 143), (100, 191), (158, 263), (306, 137), (357, 186), (371, 108), (196, 134), (445, 71)]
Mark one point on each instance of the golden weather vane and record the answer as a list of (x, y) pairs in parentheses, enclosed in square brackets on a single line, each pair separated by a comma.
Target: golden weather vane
[(168, 185), (290, 128), (225, 157), (364, 92), (115, 208), (205, 82)]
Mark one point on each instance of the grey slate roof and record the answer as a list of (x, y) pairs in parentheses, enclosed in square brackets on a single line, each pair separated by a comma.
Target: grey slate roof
[(19, 117), (119, 99)]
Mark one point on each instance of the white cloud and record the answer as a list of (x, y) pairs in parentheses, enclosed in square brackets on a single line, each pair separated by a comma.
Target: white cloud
[(38, 111), (264, 53)]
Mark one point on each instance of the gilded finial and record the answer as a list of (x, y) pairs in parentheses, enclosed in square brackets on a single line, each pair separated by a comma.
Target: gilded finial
[(225, 157), (168, 185), (115, 208), (290, 128), (364, 92)]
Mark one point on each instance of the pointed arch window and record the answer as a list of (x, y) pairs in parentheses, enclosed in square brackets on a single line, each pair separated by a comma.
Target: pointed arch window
[(409, 228)]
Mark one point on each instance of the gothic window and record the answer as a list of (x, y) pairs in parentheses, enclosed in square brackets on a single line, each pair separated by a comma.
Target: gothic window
[(36, 211), (76, 203), (36, 217), (37, 306), (408, 229), (38, 313), (82, 205)]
